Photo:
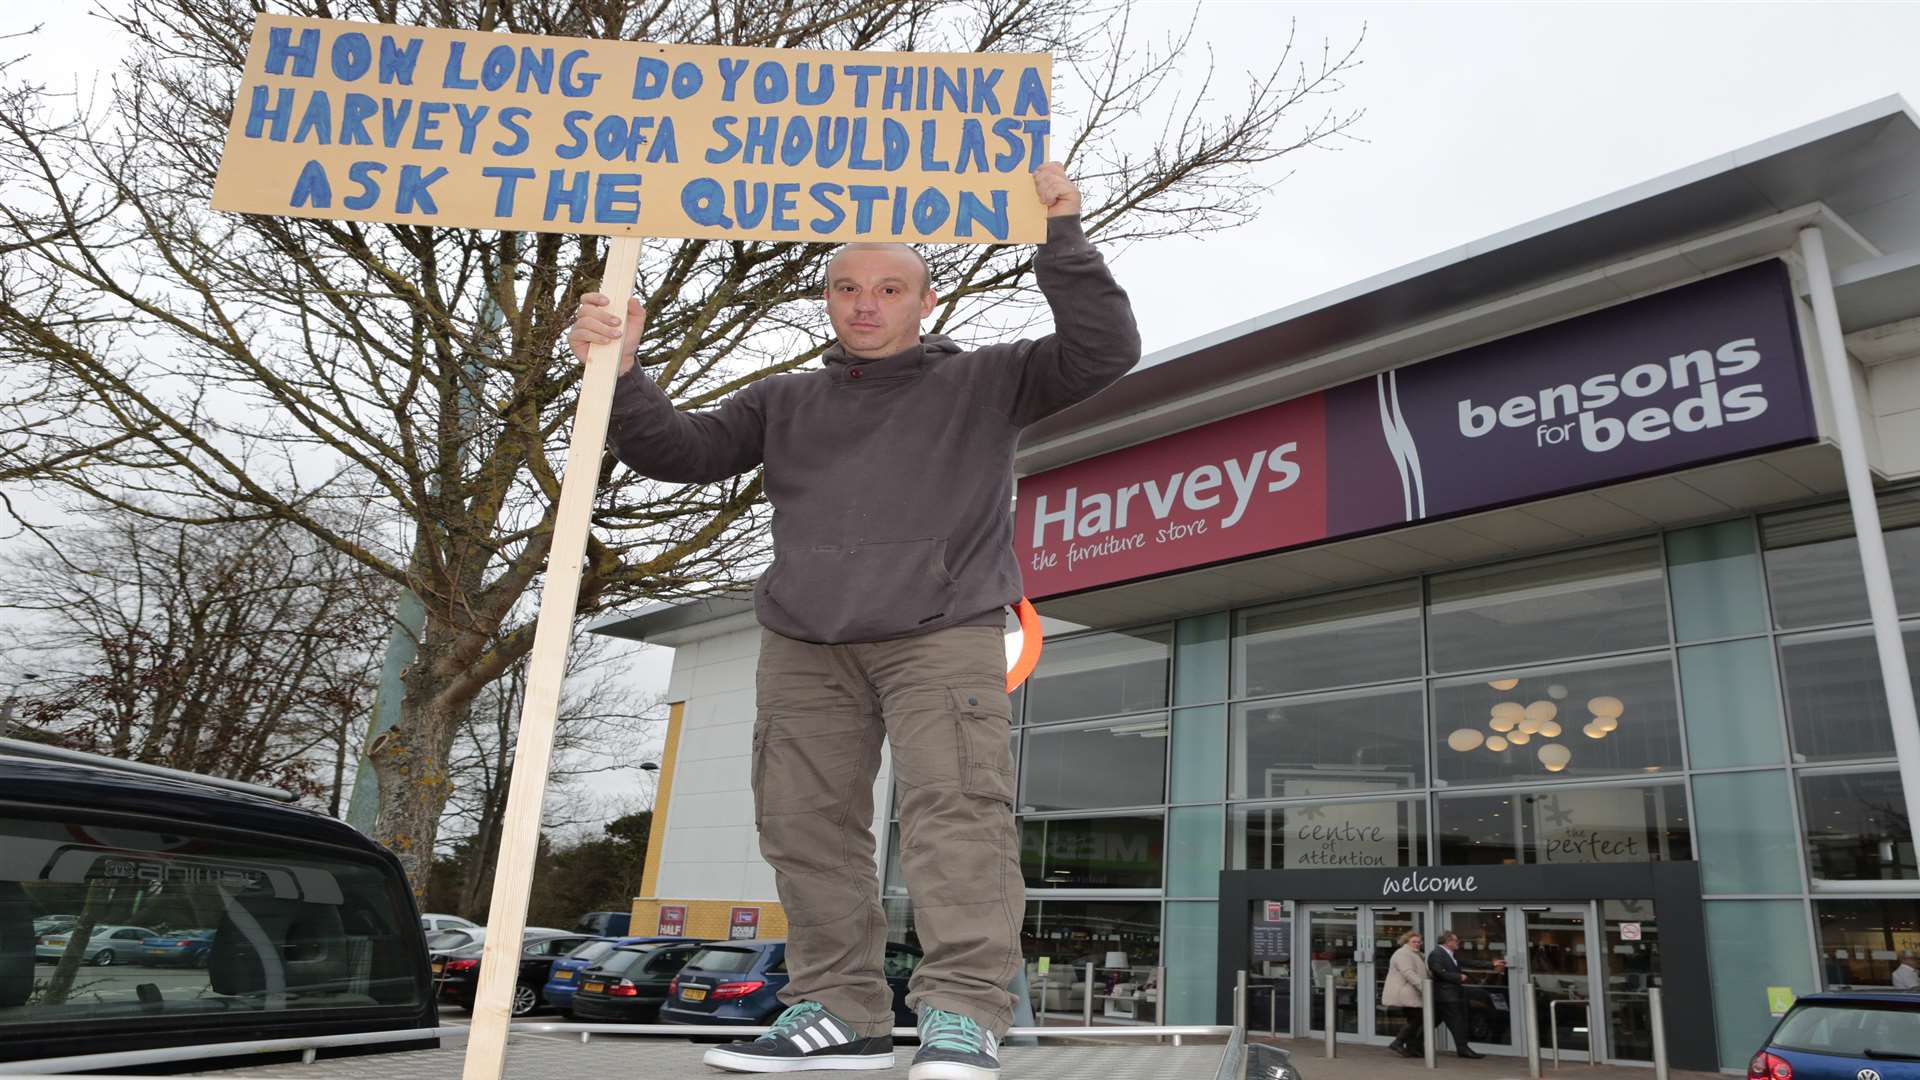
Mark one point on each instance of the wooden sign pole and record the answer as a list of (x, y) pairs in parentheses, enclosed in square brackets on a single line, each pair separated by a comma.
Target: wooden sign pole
[(546, 670)]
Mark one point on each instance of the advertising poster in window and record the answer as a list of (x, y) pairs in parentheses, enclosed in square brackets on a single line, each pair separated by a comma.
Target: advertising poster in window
[(673, 920), (1338, 835), (743, 924), (1597, 825), (1699, 373)]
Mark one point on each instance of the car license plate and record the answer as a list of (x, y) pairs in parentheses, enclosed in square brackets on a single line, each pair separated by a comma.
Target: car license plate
[(594, 988), (562, 976), (156, 952), (438, 968), (694, 993)]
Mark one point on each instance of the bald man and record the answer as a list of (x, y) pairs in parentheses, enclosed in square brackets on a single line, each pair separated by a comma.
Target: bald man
[(890, 472)]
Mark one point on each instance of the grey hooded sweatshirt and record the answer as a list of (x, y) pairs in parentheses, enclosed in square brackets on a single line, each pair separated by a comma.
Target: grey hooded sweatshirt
[(891, 480)]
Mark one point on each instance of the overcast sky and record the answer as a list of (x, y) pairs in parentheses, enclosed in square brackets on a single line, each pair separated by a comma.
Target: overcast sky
[(1479, 117)]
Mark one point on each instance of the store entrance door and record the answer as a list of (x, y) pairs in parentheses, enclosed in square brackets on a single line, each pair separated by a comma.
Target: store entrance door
[(1354, 945), (1485, 952), (1546, 949)]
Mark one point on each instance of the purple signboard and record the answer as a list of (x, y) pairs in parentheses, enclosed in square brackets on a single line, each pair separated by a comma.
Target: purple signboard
[(1699, 373)]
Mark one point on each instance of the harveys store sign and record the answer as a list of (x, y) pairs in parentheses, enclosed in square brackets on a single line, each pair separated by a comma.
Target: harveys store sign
[(1695, 374)]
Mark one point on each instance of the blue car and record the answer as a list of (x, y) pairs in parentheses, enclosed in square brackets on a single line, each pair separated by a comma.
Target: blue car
[(1851, 1035), (738, 983), (184, 948), (566, 971)]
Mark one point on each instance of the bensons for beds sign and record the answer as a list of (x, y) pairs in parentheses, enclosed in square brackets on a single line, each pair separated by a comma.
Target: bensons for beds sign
[(1698, 373)]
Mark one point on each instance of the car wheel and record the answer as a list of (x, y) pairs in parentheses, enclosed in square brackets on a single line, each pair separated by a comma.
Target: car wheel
[(103, 958), (200, 961), (525, 1000)]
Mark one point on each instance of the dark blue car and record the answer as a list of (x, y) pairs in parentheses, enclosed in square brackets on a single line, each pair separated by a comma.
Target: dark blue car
[(183, 948), (737, 982), (1852, 1035), (565, 976)]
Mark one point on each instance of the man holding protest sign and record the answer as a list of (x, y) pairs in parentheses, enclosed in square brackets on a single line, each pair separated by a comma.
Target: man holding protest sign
[(890, 474)]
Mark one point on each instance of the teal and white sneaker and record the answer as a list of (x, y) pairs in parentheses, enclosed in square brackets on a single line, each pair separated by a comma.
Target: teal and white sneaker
[(953, 1047), (805, 1038)]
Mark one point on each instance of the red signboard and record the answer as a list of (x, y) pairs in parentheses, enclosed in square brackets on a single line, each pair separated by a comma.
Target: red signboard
[(673, 920), (1699, 373), (744, 924)]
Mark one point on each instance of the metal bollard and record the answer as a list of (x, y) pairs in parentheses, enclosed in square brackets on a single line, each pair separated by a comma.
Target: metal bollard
[(1089, 1016), (1332, 1020), (1240, 1002), (1659, 1034), (1427, 1035), (1531, 1021)]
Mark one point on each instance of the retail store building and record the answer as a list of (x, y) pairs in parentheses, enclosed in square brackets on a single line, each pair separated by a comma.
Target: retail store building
[(1514, 592)]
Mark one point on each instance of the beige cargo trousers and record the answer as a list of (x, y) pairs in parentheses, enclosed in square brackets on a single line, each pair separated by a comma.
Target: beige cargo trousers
[(823, 711)]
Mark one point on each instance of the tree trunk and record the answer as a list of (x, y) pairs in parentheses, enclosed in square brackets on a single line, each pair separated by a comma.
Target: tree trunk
[(410, 760)]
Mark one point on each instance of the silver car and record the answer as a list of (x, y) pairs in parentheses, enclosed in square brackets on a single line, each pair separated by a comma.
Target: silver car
[(107, 945)]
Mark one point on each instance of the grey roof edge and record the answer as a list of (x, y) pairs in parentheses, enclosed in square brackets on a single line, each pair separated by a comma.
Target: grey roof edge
[(1392, 292), (1879, 292), (668, 619)]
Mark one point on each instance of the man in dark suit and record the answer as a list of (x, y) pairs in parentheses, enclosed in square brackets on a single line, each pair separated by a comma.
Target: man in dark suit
[(1449, 1000)]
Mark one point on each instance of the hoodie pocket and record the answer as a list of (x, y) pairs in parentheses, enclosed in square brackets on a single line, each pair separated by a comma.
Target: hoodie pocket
[(864, 592)]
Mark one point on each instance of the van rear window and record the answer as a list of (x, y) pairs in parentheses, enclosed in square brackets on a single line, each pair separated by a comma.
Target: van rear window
[(105, 921)]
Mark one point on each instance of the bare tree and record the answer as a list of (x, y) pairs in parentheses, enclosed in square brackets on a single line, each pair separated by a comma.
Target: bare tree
[(241, 649), (291, 367), (601, 729)]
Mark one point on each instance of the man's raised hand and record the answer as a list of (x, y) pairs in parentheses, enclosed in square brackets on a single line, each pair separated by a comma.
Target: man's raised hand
[(596, 324), (1056, 192)]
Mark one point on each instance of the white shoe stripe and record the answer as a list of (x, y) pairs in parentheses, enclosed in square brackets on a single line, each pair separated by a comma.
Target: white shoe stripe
[(839, 1034), (804, 1038)]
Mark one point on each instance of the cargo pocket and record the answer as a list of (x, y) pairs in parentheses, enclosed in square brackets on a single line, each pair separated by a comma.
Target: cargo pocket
[(757, 773), (985, 716)]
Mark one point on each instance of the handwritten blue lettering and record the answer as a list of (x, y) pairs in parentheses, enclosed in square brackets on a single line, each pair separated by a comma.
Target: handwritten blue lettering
[(281, 51), (973, 211), (616, 198), (269, 120), (396, 61), (351, 56), (511, 118), (509, 179), (704, 202), (413, 194), (311, 188), (364, 173)]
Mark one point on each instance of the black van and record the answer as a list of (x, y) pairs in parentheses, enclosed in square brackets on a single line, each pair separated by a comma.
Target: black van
[(311, 927)]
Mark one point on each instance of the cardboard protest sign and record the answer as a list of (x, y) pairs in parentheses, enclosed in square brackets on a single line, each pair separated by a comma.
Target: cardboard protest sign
[(506, 131)]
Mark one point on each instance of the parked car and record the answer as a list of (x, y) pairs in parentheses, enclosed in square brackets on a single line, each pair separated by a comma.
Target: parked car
[(106, 945), (611, 924), (738, 982), (564, 976), (53, 924), (433, 923), (314, 928), (445, 943), (1844, 1035), (459, 974), (183, 948), (442, 943), (628, 985)]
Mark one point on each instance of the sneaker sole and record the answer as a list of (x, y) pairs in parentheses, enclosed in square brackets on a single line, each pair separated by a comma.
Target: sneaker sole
[(754, 1063), (950, 1070)]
